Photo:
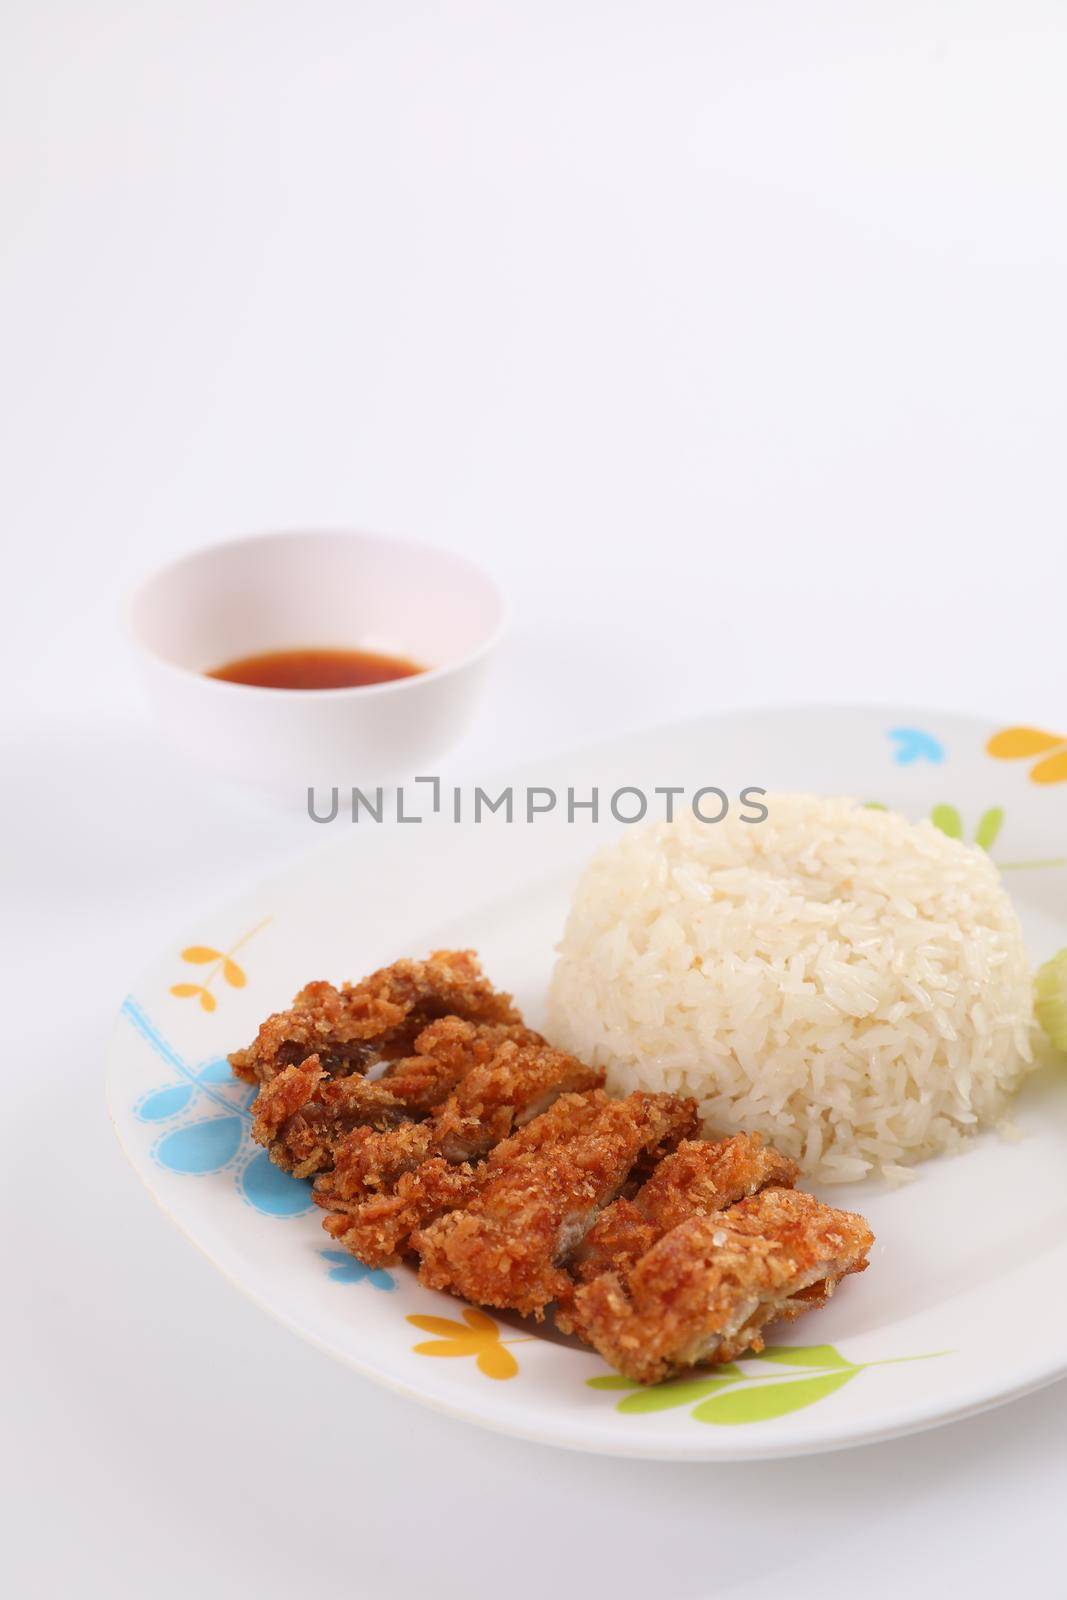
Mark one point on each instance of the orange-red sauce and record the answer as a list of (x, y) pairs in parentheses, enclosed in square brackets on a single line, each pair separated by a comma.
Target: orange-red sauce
[(316, 669)]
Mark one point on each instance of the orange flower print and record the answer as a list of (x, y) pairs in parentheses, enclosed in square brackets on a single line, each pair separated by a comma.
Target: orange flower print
[(218, 961), (477, 1335), (1023, 744)]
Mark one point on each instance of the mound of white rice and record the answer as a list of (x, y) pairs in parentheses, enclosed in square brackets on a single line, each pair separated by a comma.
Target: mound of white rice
[(850, 984)]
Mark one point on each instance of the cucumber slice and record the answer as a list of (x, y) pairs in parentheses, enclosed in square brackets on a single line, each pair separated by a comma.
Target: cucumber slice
[(1050, 999)]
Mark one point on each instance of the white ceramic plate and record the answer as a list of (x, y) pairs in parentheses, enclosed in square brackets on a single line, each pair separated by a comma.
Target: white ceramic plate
[(963, 1305)]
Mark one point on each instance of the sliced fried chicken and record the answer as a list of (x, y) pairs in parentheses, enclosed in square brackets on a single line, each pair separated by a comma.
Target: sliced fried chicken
[(444, 1053), (504, 1094), (488, 1103), (696, 1180), (302, 1115), (503, 1163), (317, 1023), (572, 1114), (705, 1291), (378, 1229), (369, 1162), (506, 1248), (351, 1027)]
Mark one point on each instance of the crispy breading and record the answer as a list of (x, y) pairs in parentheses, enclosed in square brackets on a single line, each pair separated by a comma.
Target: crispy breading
[(705, 1291), (368, 1162), (317, 1023), (378, 1229), (504, 1094), (565, 1118), (702, 1177), (444, 1053), (506, 1248), (351, 1027), (302, 1115), (489, 1102), (697, 1179)]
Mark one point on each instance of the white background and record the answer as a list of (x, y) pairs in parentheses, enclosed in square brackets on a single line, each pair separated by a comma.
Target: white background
[(731, 337)]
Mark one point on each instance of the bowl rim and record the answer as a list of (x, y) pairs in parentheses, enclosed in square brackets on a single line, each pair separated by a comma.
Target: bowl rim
[(137, 640)]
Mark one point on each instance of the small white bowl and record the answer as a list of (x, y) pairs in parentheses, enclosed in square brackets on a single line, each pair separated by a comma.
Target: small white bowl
[(287, 591)]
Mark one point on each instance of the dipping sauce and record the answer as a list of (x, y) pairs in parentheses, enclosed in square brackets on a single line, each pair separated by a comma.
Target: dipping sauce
[(316, 669)]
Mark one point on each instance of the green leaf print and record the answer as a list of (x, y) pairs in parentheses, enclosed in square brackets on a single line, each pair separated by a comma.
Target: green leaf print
[(819, 1356), (989, 825), (763, 1402), (730, 1394), (666, 1396), (948, 819)]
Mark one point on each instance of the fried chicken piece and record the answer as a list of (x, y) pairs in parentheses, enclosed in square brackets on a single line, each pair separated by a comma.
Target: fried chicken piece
[(504, 1094), (378, 1229), (702, 1177), (505, 1249), (369, 1162), (696, 1180), (706, 1290), (302, 1115), (444, 1053), (351, 1027), (317, 1023), (488, 1103), (573, 1113)]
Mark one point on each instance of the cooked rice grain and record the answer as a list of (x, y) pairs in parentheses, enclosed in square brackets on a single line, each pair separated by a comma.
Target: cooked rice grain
[(850, 984)]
